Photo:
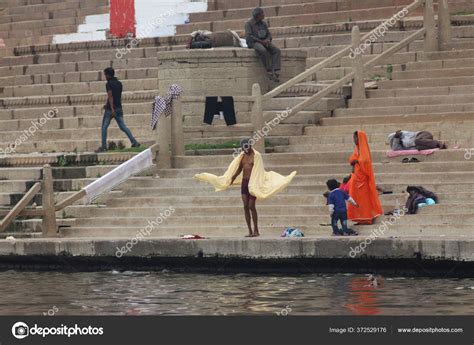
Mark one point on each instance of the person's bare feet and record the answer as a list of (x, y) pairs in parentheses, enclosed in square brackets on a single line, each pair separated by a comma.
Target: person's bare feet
[(256, 234)]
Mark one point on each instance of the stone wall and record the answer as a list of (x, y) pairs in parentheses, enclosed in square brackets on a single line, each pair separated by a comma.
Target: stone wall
[(222, 71)]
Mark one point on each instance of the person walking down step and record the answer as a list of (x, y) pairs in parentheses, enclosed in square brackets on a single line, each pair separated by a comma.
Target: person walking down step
[(256, 184), (113, 109), (259, 38)]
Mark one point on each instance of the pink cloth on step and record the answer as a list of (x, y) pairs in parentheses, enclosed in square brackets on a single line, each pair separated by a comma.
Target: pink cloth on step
[(393, 154)]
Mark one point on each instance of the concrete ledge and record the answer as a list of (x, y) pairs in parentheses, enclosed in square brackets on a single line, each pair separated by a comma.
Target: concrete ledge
[(222, 71), (413, 254)]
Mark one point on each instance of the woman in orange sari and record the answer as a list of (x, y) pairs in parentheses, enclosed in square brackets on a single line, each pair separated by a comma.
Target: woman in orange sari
[(362, 187)]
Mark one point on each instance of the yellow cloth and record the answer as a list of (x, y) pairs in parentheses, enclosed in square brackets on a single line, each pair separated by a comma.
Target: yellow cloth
[(263, 184)]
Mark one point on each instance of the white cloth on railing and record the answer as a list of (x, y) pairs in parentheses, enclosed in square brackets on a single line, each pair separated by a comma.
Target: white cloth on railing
[(165, 104), (106, 183)]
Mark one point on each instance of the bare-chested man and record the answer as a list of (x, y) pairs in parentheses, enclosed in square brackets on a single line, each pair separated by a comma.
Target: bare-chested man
[(246, 166)]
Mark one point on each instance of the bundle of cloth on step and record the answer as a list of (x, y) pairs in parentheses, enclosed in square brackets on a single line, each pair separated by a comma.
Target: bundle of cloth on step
[(204, 39), (419, 196), (263, 184)]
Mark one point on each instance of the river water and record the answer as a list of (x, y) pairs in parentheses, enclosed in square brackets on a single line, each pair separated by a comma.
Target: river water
[(167, 293)]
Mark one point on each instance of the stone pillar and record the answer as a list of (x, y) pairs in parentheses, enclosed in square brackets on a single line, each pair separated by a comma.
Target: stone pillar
[(431, 43), (444, 25), (49, 226), (163, 139), (257, 118), (358, 84), (177, 131)]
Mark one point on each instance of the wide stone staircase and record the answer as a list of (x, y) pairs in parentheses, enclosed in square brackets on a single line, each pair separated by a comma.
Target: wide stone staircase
[(413, 91), (422, 97)]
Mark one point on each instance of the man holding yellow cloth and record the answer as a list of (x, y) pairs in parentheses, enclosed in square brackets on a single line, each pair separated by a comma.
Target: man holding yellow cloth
[(256, 184)]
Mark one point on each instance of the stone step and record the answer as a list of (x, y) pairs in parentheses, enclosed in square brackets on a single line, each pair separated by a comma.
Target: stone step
[(407, 100), (68, 146), (425, 82), (342, 4), (405, 110), (31, 34), (63, 89), (421, 91), (150, 195), (93, 57), (20, 174), (282, 221), (270, 11), (267, 231), (336, 73), (449, 54), (282, 103), (35, 26), (303, 117), (85, 212), (235, 200), (374, 139), (84, 66), (451, 155), (55, 6), (440, 64), (339, 170), (133, 103), (45, 16), (77, 77), (383, 119), (302, 19), (82, 100), (454, 128), (309, 88), (149, 185), (71, 134), (433, 73), (336, 39), (240, 130)]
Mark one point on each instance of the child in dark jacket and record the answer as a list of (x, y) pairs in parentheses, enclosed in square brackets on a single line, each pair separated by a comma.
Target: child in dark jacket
[(337, 208)]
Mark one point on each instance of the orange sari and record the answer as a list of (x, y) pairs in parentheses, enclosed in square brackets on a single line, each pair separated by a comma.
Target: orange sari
[(362, 186)]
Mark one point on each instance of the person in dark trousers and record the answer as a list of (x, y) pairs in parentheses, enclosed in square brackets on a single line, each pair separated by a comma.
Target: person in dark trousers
[(337, 208), (113, 109), (259, 38)]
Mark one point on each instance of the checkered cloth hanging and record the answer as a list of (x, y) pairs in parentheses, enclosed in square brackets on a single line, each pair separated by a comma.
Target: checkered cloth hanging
[(165, 104)]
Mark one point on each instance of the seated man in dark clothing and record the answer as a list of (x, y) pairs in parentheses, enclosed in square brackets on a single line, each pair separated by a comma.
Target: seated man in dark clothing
[(259, 38)]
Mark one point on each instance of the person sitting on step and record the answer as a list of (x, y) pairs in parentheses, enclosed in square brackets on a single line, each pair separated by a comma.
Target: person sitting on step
[(259, 38)]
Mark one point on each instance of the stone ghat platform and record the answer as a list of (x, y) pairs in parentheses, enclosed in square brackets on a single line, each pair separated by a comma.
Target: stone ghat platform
[(450, 256)]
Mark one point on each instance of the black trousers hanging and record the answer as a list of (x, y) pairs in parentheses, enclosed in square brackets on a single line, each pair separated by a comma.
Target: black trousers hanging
[(214, 107)]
